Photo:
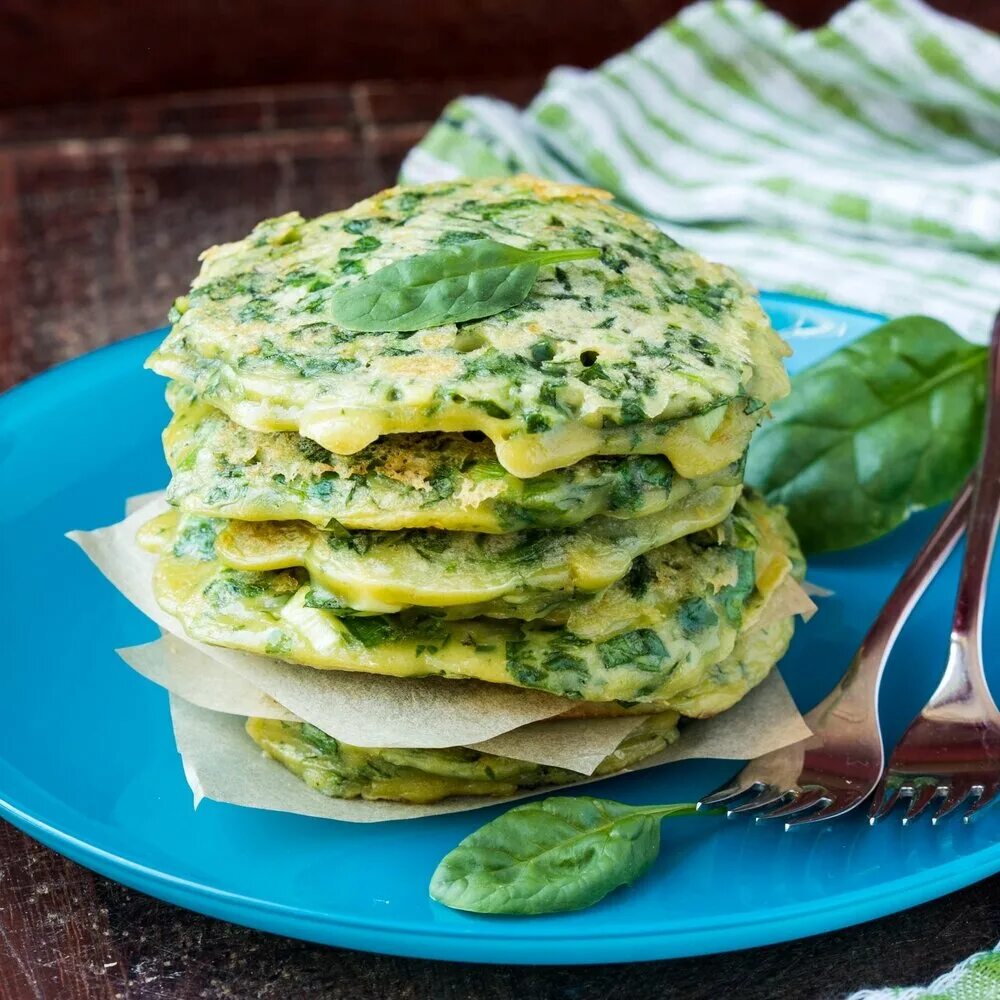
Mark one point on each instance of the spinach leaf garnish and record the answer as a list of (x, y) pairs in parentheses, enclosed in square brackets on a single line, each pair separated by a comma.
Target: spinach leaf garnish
[(889, 424), (451, 285), (563, 853)]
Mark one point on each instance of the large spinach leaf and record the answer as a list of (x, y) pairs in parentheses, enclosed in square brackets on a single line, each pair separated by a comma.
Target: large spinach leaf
[(887, 425), (563, 853), (452, 285)]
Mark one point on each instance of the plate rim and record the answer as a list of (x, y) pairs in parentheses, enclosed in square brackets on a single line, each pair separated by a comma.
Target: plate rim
[(477, 942)]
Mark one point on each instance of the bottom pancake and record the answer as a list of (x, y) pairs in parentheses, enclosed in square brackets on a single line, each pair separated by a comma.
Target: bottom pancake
[(340, 770), (421, 776)]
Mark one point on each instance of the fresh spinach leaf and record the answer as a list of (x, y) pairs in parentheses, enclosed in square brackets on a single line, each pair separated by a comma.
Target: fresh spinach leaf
[(451, 285), (563, 853), (889, 424)]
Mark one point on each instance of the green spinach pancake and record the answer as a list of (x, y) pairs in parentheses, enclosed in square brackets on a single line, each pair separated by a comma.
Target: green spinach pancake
[(434, 480), (645, 348), (658, 635), (526, 574), (342, 771)]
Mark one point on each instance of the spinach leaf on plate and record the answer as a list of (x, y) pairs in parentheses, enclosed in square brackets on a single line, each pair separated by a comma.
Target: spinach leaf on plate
[(563, 853), (452, 285), (889, 424)]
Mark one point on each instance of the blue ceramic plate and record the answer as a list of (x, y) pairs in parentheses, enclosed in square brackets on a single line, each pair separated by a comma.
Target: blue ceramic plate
[(88, 766)]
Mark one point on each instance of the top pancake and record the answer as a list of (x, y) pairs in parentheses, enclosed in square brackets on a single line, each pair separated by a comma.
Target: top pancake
[(614, 355)]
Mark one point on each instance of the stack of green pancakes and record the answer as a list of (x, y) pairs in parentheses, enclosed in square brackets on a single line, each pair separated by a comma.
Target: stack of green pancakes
[(549, 496)]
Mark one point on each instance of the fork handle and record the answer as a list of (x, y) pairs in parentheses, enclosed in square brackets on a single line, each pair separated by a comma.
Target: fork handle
[(982, 526), (965, 664), (912, 584)]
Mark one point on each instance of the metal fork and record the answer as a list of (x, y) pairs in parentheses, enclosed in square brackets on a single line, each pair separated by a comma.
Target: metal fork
[(838, 767), (951, 750)]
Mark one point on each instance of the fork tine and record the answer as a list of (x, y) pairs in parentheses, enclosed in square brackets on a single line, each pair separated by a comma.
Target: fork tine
[(886, 797), (833, 808), (769, 795), (987, 795), (802, 802), (957, 794), (920, 799), (731, 790)]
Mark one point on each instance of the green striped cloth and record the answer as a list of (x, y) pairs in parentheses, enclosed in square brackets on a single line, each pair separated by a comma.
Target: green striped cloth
[(858, 163), (977, 978)]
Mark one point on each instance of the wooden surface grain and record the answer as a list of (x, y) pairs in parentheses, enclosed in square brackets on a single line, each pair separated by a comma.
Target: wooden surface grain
[(64, 48), (103, 209)]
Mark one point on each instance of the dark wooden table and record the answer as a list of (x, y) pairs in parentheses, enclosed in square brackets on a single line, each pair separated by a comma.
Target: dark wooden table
[(103, 209)]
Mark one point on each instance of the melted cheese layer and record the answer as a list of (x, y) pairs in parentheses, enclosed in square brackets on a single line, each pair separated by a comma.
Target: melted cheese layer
[(648, 350), (443, 481)]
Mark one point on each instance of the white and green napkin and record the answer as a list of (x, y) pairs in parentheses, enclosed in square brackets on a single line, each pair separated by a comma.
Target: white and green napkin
[(858, 163), (977, 978)]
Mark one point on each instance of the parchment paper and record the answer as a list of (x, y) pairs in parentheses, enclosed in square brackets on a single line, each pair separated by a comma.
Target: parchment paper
[(815, 590), (790, 598), (363, 709), (222, 763), (197, 678), (577, 744)]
